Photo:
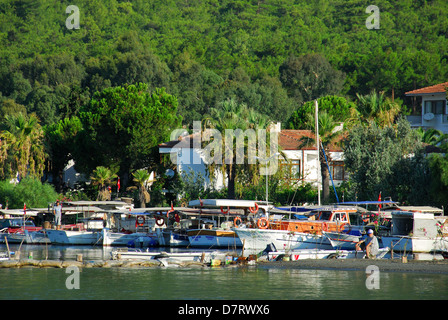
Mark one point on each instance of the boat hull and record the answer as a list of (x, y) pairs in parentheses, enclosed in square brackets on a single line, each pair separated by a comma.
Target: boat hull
[(73, 237), (203, 238), (259, 239), (123, 239), (296, 255), (415, 244)]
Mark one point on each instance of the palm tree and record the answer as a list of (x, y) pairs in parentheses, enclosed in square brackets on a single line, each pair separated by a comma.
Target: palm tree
[(328, 134), (102, 177), (22, 145), (141, 178), (375, 106), (232, 115)]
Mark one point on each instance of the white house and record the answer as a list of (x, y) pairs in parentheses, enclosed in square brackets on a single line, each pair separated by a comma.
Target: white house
[(434, 107), (301, 162)]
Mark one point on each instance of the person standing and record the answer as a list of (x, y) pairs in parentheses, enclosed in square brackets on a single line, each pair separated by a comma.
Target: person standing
[(57, 215)]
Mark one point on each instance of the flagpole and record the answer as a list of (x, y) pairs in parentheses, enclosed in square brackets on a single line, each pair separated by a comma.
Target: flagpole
[(316, 127)]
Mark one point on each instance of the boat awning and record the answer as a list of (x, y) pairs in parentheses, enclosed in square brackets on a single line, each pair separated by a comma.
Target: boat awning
[(360, 203), (217, 203)]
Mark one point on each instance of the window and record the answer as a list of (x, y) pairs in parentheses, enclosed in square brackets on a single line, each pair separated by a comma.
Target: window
[(337, 170), (435, 106), (293, 169)]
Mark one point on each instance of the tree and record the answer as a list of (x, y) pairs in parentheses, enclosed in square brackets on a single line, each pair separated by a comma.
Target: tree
[(376, 107), (339, 108), (103, 177), (122, 126), (22, 147), (29, 190), (309, 77), (237, 117), (384, 159), (141, 178), (60, 139)]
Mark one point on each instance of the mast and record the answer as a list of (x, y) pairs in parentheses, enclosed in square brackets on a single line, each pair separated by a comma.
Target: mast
[(316, 128)]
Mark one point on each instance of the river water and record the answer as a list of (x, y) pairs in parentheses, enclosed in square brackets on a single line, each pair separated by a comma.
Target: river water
[(260, 282)]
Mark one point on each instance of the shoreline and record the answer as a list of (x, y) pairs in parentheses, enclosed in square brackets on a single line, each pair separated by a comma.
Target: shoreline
[(384, 265)]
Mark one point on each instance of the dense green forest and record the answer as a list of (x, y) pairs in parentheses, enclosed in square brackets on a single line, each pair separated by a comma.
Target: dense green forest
[(273, 56), (261, 52)]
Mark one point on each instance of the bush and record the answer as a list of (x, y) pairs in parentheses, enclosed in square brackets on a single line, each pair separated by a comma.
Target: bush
[(30, 191)]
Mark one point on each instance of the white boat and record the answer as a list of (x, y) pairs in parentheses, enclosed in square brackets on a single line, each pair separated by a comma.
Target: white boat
[(69, 237), (295, 255), (289, 234), (167, 257), (417, 232), (4, 256), (109, 238), (213, 238), (216, 217), (343, 241), (36, 237)]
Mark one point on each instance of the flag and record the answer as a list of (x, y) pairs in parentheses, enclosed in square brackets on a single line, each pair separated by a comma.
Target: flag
[(24, 208), (379, 199), (118, 185)]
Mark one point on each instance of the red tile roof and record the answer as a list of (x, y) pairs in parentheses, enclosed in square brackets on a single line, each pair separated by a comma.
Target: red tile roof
[(438, 88), (287, 140)]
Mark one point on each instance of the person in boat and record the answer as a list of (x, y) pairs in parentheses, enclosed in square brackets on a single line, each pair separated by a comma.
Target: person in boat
[(371, 245), (57, 215)]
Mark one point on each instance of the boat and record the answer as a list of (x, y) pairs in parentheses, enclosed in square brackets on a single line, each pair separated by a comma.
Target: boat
[(70, 237), (417, 232), (306, 233), (14, 229), (215, 219), (304, 254), (168, 257), (142, 239), (343, 241)]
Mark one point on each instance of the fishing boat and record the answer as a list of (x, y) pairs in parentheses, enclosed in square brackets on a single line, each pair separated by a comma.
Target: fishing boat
[(216, 219), (168, 257), (70, 237), (14, 229), (296, 255), (304, 233), (417, 232)]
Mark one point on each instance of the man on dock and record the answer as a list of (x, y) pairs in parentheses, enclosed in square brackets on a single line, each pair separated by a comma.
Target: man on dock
[(371, 243), (57, 215)]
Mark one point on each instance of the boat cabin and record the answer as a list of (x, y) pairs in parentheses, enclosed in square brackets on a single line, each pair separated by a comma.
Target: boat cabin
[(417, 224), (323, 219)]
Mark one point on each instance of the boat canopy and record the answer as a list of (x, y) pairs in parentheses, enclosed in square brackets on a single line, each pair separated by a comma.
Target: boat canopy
[(363, 203), (217, 203)]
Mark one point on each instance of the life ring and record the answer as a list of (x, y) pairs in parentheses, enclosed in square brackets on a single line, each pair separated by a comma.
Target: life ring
[(224, 212), (255, 209), (237, 221), (160, 222), (324, 226), (137, 221), (342, 226), (263, 223)]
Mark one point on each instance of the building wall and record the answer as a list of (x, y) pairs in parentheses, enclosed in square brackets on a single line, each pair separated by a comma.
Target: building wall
[(437, 121)]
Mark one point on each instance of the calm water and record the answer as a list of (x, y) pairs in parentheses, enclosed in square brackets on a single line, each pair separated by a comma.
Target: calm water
[(228, 283)]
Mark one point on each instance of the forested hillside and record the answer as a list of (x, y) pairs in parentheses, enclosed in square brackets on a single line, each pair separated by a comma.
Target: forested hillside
[(272, 55)]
